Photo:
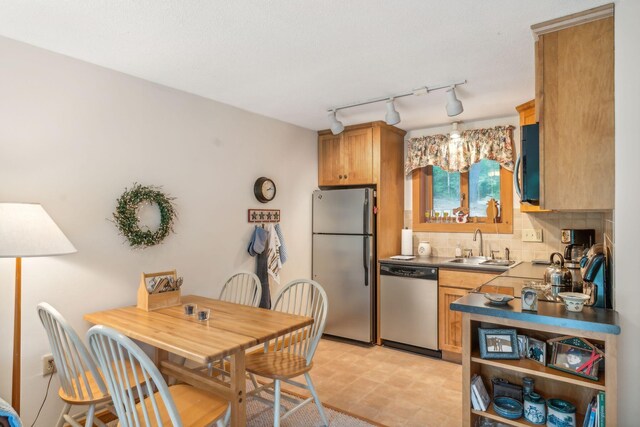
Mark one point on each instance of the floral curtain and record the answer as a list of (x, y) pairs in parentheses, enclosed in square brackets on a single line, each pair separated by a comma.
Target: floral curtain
[(457, 155)]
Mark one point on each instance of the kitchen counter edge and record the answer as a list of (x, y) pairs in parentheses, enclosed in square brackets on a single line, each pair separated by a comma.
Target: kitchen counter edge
[(553, 314), (440, 262)]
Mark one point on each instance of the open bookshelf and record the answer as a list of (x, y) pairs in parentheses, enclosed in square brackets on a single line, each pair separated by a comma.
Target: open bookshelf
[(549, 382)]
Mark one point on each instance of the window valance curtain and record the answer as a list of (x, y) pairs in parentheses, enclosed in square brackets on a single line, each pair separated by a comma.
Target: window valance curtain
[(457, 155)]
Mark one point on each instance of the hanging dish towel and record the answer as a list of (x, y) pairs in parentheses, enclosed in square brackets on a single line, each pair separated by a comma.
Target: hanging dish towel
[(257, 246), (10, 415), (283, 248), (273, 254)]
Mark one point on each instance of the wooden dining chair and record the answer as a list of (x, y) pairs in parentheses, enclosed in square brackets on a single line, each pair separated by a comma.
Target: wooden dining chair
[(242, 288), (81, 383), (291, 355), (179, 405)]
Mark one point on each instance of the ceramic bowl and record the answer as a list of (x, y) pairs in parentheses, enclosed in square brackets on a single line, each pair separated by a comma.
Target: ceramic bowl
[(498, 299), (574, 301), (507, 407)]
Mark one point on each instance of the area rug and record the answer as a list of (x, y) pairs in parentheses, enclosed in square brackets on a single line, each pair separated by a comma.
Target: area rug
[(259, 414)]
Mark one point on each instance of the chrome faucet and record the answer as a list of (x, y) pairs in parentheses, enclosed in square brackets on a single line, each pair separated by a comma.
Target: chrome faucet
[(475, 234)]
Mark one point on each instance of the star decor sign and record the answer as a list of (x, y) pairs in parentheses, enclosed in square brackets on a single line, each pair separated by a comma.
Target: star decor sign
[(264, 215)]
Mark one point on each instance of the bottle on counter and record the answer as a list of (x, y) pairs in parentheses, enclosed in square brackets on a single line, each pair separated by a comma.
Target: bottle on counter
[(458, 251)]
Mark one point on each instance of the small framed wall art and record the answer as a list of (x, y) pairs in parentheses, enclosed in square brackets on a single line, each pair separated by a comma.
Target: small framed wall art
[(537, 350)]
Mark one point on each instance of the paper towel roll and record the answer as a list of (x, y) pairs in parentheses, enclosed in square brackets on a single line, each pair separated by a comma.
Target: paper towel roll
[(407, 242)]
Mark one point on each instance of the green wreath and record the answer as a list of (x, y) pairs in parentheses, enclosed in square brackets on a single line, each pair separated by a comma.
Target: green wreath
[(126, 215)]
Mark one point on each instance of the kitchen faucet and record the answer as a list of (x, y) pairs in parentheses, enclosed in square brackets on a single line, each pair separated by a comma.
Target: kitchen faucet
[(475, 234)]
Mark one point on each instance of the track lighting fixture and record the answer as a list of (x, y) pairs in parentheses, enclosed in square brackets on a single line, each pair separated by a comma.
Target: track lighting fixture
[(336, 125), (454, 106), (392, 117)]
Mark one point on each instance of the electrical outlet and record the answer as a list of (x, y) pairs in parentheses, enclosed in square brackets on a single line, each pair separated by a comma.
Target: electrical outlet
[(532, 235), (48, 365)]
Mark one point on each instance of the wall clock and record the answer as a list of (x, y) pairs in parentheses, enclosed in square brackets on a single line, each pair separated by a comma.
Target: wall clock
[(264, 189)]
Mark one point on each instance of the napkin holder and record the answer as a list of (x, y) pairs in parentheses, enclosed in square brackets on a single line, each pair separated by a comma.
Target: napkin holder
[(149, 301)]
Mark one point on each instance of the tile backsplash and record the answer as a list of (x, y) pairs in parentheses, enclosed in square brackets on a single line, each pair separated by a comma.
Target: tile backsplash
[(444, 244)]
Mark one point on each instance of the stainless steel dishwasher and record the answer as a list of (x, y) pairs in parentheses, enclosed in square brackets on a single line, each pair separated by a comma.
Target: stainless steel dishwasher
[(409, 307)]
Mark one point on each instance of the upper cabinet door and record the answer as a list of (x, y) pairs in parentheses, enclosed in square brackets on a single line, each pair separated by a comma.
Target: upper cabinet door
[(357, 156), (329, 160), (575, 100)]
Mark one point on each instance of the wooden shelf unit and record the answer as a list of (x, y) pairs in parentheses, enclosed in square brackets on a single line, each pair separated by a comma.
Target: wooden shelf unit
[(549, 382)]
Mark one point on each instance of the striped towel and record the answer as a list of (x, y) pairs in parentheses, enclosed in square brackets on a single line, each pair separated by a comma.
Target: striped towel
[(11, 415), (283, 247), (273, 255)]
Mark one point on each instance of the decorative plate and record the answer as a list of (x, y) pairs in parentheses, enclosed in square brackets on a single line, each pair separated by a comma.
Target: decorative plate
[(498, 299)]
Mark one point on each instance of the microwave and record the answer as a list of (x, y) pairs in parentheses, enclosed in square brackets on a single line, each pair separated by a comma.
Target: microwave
[(526, 173)]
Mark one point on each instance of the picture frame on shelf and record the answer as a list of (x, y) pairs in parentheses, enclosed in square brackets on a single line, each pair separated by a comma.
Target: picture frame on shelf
[(522, 346), (537, 351), (576, 356), (498, 343)]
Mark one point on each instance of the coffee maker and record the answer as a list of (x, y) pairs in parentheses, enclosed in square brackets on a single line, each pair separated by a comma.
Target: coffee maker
[(577, 241), (596, 275)]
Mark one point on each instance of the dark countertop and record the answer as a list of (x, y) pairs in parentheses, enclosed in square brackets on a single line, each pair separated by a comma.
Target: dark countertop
[(441, 262), (589, 319)]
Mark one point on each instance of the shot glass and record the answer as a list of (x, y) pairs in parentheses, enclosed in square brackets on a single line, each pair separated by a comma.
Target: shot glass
[(190, 309), (203, 314)]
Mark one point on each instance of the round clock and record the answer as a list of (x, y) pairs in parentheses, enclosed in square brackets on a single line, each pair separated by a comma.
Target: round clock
[(264, 189)]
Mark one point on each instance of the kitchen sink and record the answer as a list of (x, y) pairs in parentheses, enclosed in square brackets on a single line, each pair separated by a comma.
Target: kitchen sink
[(480, 262)]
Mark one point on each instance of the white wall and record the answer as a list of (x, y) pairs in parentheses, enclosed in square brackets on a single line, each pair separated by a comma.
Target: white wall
[(627, 228), (74, 135)]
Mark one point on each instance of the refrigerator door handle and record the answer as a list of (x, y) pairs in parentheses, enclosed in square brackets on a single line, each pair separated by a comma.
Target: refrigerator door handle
[(365, 260), (365, 214)]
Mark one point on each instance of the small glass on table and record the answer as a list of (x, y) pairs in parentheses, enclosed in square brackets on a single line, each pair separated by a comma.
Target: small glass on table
[(203, 314), (190, 309)]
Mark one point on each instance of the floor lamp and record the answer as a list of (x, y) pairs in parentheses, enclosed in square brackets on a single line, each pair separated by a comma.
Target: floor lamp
[(26, 230)]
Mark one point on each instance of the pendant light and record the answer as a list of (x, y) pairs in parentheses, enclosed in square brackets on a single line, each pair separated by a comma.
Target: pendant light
[(392, 117), (336, 125)]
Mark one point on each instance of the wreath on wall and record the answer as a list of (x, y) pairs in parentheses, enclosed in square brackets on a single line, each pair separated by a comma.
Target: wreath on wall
[(126, 215)]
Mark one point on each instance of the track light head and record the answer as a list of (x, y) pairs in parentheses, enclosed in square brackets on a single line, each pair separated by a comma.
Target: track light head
[(336, 125), (392, 117), (454, 106), (455, 132)]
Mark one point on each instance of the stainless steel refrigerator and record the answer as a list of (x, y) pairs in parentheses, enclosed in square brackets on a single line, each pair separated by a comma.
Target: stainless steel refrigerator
[(344, 259)]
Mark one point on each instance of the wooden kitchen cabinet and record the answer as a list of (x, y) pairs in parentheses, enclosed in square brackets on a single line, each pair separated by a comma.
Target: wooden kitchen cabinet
[(454, 284), (574, 60), (527, 113), (347, 158)]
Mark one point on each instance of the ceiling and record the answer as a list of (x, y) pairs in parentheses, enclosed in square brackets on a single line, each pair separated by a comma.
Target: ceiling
[(292, 60)]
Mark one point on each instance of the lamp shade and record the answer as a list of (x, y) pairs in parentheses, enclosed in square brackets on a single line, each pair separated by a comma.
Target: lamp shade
[(26, 230), (454, 106)]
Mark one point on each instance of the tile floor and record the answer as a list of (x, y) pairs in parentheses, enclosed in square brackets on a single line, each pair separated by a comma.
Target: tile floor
[(391, 387)]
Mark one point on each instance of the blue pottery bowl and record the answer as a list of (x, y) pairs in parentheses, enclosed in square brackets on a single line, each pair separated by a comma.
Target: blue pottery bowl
[(507, 407)]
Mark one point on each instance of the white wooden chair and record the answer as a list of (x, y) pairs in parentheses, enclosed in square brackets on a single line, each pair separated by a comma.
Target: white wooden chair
[(291, 355), (81, 383), (242, 288), (179, 405)]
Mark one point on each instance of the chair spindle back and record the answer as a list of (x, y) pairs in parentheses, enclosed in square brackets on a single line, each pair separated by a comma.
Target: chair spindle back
[(304, 298), (76, 368), (242, 288), (114, 351)]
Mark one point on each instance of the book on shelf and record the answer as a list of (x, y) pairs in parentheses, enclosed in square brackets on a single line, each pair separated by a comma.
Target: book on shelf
[(474, 402), (477, 387), (587, 414), (601, 409)]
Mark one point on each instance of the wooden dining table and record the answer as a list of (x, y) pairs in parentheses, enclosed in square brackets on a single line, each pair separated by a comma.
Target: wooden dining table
[(230, 330)]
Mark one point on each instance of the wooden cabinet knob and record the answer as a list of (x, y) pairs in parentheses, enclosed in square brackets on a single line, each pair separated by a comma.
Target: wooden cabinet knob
[(340, 176), (345, 177)]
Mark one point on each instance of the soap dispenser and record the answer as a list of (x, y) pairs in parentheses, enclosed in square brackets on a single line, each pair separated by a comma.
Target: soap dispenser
[(458, 250)]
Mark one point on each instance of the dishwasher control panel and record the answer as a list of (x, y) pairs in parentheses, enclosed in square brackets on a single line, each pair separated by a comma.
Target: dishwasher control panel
[(414, 272)]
